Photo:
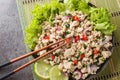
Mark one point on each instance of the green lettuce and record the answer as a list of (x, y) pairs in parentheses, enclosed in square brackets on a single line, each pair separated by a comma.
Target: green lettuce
[(101, 19), (32, 34), (79, 5), (99, 15), (105, 27)]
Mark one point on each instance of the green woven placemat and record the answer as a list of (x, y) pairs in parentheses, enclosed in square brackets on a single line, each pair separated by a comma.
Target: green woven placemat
[(112, 71)]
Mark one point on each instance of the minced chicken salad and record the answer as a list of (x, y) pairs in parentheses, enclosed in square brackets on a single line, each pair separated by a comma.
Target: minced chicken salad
[(87, 50), (88, 29)]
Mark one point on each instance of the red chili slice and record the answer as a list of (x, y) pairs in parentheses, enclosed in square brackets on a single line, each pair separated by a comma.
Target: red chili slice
[(95, 51), (77, 38), (75, 62), (82, 56), (84, 37), (68, 40), (53, 57), (47, 37), (76, 18)]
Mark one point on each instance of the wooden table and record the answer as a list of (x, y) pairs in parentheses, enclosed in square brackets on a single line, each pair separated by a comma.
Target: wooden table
[(11, 40)]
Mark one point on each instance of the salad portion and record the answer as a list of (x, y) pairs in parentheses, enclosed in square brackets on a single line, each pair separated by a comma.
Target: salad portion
[(88, 28), (87, 50)]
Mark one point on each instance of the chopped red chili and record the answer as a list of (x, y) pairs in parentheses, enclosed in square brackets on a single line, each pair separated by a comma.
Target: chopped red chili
[(76, 18), (47, 37), (95, 51), (77, 38), (82, 56), (75, 62), (68, 40), (52, 57), (84, 37)]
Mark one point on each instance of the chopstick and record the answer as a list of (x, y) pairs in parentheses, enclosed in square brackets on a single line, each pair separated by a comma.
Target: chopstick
[(34, 60), (30, 62), (28, 54)]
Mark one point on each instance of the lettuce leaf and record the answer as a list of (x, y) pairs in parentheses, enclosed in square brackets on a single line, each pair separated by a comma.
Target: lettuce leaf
[(106, 28), (79, 5), (32, 34), (99, 15), (101, 19)]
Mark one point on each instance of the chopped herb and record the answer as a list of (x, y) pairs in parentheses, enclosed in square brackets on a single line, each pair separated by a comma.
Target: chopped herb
[(52, 24), (42, 43), (78, 56), (63, 36), (85, 46), (98, 37), (103, 59), (67, 32), (84, 65), (80, 52), (103, 39), (67, 25), (69, 60), (50, 42), (59, 53), (67, 14), (45, 30)]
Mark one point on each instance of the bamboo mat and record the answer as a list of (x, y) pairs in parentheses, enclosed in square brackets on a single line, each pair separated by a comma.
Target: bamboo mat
[(112, 70)]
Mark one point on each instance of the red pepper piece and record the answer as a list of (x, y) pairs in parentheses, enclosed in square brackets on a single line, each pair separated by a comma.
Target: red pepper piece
[(53, 57), (47, 37), (84, 37), (75, 62), (82, 56), (76, 18), (95, 51), (77, 38), (68, 40)]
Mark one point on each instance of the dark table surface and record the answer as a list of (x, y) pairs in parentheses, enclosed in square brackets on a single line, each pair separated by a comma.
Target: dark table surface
[(11, 40)]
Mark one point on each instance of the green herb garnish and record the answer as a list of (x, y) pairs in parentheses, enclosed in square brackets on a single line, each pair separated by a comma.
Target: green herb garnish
[(69, 60), (67, 32), (59, 53), (67, 25)]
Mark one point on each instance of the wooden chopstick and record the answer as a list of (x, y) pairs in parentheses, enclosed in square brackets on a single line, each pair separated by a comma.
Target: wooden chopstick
[(30, 62), (28, 54), (34, 60)]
